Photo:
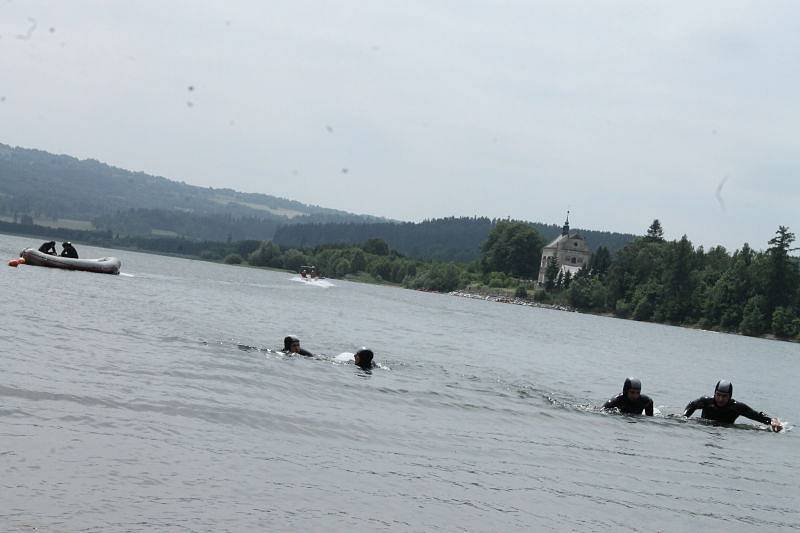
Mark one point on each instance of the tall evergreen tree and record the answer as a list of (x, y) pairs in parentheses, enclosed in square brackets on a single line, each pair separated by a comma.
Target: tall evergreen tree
[(784, 322), (754, 316), (678, 286), (782, 275), (655, 233), (727, 297), (551, 273), (600, 262)]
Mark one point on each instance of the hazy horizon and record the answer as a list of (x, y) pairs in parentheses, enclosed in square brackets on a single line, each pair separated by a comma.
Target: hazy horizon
[(621, 112)]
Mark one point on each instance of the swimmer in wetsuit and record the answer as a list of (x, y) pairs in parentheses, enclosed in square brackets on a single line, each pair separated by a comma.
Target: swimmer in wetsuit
[(292, 345), (69, 251), (723, 408), (48, 248), (363, 358), (631, 401)]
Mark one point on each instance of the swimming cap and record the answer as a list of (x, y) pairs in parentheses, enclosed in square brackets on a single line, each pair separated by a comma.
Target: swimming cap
[(632, 383), (364, 356), (288, 341), (725, 387)]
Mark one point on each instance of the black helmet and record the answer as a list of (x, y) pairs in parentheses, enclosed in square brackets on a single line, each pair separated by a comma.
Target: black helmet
[(364, 356), (66, 244), (288, 341), (631, 383), (724, 386)]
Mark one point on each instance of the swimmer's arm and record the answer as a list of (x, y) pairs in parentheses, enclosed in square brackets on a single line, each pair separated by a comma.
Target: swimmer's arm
[(748, 412), (648, 409), (692, 407), (612, 403)]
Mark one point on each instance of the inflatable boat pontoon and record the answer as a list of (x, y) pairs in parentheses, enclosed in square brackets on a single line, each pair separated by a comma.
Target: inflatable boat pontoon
[(105, 265)]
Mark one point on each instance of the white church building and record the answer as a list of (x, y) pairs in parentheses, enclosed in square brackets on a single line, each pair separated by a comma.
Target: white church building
[(570, 251)]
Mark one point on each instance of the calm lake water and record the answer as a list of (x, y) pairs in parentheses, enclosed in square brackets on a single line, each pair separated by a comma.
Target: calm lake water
[(148, 402)]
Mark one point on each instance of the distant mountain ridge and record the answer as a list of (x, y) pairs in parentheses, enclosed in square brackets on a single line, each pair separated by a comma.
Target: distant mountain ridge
[(60, 187), (441, 239), (38, 188)]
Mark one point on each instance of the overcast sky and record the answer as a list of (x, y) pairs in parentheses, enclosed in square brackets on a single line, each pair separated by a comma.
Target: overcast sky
[(620, 111)]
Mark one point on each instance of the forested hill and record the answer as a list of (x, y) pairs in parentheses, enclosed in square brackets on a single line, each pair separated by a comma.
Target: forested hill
[(53, 188), (445, 239), (40, 188)]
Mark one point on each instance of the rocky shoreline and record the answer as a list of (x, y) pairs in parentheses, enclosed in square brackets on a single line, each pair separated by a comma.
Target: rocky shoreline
[(509, 300), (528, 303)]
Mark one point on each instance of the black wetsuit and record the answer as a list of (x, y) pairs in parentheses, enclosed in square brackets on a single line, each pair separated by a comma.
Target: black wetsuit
[(625, 405), (726, 414), (48, 248), (69, 251), (299, 352)]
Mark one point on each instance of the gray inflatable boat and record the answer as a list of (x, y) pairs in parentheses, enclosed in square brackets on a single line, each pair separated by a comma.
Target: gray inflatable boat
[(105, 265)]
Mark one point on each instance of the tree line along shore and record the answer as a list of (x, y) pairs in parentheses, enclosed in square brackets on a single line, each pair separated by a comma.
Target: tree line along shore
[(751, 292)]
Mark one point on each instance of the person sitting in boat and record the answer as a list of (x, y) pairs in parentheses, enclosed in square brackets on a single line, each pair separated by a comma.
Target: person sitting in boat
[(303, 273), (69, 250), (631, 401), (48, 248), (363, 358), (292, 345)]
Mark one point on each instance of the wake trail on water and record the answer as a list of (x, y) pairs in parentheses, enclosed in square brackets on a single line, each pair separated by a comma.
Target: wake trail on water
[(340, 359), (322, 283)]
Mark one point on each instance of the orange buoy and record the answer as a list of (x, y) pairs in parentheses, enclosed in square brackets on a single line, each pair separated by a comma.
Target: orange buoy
[(15, 262)]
